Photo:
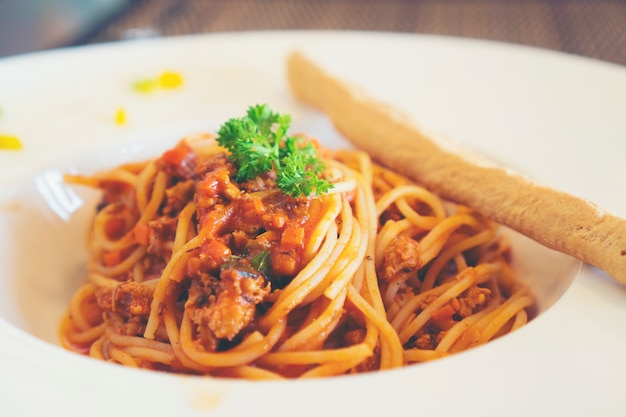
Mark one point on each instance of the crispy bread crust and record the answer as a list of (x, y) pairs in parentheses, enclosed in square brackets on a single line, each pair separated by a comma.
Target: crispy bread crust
[(555, 219)]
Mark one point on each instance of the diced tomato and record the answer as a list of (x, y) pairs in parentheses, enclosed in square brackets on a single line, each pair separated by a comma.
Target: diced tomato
[(284, 263), (275, 220), (259, 207), (214, 253), (443, 317), (141, 231), (177, 155), (112, 258), (292, 237)]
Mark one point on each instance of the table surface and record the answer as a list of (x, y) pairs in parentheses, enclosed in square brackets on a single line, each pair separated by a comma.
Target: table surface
[(592, 28)]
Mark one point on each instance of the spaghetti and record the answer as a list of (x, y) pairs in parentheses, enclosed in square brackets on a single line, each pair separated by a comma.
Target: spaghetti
[(194, 272)]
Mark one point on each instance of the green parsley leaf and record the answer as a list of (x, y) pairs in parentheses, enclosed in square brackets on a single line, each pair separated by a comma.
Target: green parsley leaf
[(262, 262), (258, 143), (298, 175)]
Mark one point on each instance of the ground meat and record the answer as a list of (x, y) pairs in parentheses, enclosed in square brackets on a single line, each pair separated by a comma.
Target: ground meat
[(162, 234), (233, 307), (262, 182), (132, 298), (217, 161), (104, 298), (202, 293), (126, 306), (425, 341), (153, 267), (215, 189), (177, 196), (129, 298), (472, 300), (401, 258), (236, 304), (129, 326)]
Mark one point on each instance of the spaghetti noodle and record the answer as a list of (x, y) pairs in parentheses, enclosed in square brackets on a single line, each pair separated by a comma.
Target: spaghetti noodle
[(194, 272)]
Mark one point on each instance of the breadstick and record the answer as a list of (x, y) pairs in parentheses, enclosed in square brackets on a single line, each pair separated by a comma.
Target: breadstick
[(555, 219)]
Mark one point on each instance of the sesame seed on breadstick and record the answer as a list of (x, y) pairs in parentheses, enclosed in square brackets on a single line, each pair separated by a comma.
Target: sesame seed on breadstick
[(555, 219)]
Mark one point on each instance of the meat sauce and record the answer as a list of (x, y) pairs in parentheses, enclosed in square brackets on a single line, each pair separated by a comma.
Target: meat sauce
[(254, 243)]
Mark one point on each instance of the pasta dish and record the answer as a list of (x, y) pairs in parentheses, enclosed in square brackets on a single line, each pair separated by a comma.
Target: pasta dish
[(289, 261)]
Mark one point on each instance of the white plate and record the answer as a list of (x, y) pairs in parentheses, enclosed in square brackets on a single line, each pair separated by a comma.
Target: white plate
[(558, 118)]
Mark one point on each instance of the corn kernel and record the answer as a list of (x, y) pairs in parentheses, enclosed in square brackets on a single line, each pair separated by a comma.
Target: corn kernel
[(169, 79), (120, 116), (145, 86), (9, 142)]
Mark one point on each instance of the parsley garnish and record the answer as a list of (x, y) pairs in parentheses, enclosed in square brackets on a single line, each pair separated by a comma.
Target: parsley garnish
[(258, 143), (262, 262)]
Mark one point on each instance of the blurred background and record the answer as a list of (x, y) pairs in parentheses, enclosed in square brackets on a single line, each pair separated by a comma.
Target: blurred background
[(592, 28)]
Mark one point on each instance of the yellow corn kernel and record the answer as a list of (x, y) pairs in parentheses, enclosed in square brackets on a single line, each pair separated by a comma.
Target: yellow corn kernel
[(9, 142), (169, 79), (145, 86), (120, 116)]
